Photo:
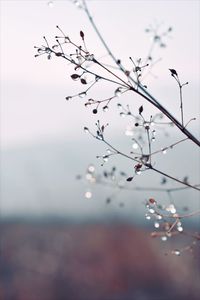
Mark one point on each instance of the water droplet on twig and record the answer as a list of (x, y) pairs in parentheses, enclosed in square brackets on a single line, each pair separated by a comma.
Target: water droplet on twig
[(176, 252), (118, 92), (156, 225), (50, 4), (147, 217), (105, 108), (135, 146), (82, 95), (88, 195)]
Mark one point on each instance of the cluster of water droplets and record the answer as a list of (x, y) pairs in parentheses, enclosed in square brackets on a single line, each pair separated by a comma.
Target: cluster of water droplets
[(150, 206), (171, 208), (118, 92), (104, 158), (91, 178), (90, 174), (88, 194), (153, 138)]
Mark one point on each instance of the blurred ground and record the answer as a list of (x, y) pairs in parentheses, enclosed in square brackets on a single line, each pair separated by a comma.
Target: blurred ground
[(57, 261)]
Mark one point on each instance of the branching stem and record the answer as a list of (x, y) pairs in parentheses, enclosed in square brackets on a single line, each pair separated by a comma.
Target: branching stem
[(141, 90)]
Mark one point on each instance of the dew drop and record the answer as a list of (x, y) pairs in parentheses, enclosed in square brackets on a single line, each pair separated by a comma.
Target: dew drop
[(50, 4), (164, 238), (171, 208), (105, 158), (91, 168), (99, 137), (147, 217), (180, 228), (151, 210), (68, 98), (176, 252), (88, 176), (156, 225), (108, 151), (135, 146), (169, 234), (77, 3), (118, 92), (82, 95), (80, 59), (159, 217), (153, 139), (88, 195), (105, 108), (164, 151), (129, 131), (138, 172), (89, 57)]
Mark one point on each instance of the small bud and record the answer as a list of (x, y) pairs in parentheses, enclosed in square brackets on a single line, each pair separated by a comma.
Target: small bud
[(82, 34), (173, 72), (83, 81), (82, 95), (141, 109), (129, 179), (58, 54), (75, 76), (152, 201)]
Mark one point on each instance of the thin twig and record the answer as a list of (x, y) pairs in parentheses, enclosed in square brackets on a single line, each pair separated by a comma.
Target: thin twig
[(149, 166)]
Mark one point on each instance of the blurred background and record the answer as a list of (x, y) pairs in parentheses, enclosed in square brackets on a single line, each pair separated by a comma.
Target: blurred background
[(56, 242)]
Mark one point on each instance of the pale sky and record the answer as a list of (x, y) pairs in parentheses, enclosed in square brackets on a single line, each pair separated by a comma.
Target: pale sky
[(34, 89)]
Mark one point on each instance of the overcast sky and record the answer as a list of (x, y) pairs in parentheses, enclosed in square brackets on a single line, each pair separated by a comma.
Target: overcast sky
[(34, 89)]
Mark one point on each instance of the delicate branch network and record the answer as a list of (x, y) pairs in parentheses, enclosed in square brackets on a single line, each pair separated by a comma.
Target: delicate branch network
[(143, 130)]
